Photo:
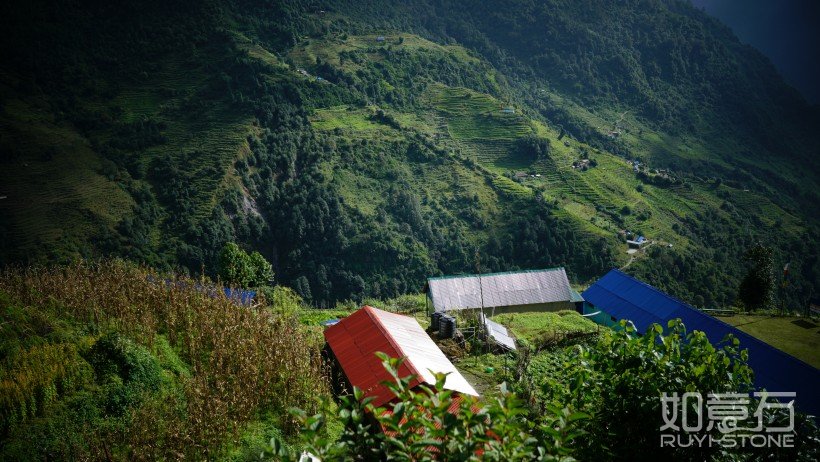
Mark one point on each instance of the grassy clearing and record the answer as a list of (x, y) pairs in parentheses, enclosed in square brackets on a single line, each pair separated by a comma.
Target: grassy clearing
[(485, 372), (346, 118), (329, 49), (799, 337), (535, 326)]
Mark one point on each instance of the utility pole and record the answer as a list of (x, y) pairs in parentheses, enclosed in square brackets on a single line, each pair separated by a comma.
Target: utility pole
[(783, 286), (481, 294)]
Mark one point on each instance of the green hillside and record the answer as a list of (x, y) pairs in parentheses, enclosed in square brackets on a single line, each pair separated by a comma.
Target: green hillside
[(363, 147)]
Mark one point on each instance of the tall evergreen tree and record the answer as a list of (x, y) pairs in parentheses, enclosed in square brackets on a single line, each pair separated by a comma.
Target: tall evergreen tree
[(757, 287)]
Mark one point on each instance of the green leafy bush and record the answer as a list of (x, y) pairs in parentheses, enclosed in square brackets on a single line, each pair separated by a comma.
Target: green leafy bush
[(238, 268), (429, 423), (125, 369), (619, 382)]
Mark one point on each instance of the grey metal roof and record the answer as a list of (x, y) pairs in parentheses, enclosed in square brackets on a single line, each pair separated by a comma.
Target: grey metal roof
[(575, 296), (421, 352), (499, 333), (499, 289)]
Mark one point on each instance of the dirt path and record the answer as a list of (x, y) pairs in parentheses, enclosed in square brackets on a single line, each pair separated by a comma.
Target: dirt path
[(634, 256)]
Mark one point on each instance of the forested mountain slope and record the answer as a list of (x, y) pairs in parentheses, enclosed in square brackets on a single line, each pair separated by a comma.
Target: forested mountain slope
[(362, 146)]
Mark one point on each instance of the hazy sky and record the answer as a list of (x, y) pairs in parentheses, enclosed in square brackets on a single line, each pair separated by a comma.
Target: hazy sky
[(787, 31)]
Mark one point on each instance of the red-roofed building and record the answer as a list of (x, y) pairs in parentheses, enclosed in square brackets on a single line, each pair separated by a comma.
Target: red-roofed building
[(355, 340)]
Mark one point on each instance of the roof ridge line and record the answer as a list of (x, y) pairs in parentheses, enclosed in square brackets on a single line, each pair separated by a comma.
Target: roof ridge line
[(669, 296), (392, 341), (466, 275), (625, 300)]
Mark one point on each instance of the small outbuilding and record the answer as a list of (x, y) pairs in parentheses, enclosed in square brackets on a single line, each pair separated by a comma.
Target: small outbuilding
[(354, 341), (637, 243), (498, 333)]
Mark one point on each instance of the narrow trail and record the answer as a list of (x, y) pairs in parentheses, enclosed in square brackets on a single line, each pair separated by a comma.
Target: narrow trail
[(634, 256)]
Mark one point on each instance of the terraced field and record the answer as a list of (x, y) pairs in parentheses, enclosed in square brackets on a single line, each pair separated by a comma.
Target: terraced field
[(73, 191), (54, 185), (484, 128), (478, 121), (330, 50)]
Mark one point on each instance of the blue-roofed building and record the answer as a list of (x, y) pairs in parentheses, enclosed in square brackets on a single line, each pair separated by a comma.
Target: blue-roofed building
[(637, 242), (619, 296), (240, 296)]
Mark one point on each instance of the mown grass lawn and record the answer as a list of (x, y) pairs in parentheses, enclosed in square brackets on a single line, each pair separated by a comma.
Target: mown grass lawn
[(799, 337)]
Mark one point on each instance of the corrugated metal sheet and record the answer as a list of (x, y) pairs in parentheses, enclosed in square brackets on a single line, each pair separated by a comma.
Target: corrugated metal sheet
[(500, 289), (624, 297), (356, 339), (499, 333), (575, 297)]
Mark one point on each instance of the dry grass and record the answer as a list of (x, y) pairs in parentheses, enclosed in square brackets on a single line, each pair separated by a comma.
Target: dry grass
[(243, 361)]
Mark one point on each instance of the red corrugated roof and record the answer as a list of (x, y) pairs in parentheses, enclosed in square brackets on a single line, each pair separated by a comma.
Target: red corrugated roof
[(356, 339)]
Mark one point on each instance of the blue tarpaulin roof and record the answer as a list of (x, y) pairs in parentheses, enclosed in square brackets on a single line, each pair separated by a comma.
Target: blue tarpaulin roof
[(625, 297), (240, 296), (330, 322)]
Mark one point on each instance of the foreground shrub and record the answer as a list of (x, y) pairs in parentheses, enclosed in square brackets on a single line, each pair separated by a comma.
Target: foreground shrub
[(619, 382), (430, 423)]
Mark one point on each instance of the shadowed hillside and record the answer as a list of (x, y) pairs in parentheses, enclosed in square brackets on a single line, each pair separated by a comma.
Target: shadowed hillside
[(362, 147)]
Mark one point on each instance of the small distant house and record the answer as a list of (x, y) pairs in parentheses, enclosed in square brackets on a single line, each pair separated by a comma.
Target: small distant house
[(814, 307), (618, 296), (508, 110), (380, 38), (515, 291), (637, 243), (240, 296), (352, 344), (521, 175)]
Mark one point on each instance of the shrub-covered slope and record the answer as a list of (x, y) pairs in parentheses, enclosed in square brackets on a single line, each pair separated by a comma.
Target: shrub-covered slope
[(361, 147), (111, 361)]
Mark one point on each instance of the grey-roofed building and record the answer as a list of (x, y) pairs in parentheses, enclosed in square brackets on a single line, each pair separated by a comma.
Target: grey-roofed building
[(515, 291)]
